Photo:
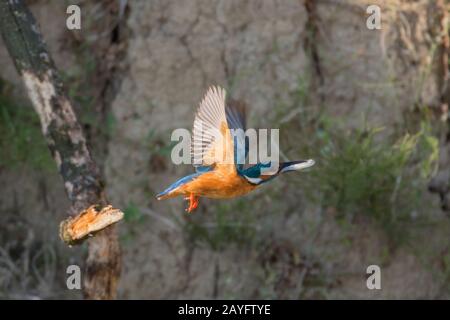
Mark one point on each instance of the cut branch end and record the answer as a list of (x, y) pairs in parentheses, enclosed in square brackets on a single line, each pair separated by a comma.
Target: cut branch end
[(75, 230)]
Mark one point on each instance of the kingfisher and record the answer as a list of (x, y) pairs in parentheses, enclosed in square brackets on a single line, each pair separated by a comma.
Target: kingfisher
[(219, 156)]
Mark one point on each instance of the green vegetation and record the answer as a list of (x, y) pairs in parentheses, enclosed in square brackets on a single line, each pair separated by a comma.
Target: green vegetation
[(369, 173), (21, 139), (77, 78), (133, 217), (80, 80), (132, 213), (156, 146), (231, 223)]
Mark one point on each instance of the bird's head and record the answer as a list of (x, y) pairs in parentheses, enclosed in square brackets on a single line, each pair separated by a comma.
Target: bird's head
[(263, 172)]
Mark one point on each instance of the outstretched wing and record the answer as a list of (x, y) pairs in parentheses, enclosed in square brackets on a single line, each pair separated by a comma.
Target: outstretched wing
[(236, 118), (211, 143)]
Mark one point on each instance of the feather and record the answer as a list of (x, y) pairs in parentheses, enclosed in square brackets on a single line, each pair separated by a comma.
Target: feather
[(209, 130)]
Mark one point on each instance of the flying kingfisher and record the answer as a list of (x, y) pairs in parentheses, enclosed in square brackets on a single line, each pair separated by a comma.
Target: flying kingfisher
[(219, 155)]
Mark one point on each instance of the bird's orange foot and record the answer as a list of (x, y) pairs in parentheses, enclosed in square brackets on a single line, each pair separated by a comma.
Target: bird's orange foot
[(193, 202)]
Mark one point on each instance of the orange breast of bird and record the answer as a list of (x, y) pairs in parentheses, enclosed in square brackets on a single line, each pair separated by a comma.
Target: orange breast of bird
[(221, 183)]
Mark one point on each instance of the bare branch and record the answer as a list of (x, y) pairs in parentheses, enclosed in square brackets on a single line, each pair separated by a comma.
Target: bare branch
[(65, 139)]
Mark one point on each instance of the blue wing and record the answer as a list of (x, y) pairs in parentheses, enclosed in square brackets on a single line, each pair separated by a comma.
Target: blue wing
[(236, 119), (179, 183)]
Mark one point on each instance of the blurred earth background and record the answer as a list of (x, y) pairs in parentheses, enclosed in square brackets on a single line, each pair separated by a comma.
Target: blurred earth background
[(370, 106)]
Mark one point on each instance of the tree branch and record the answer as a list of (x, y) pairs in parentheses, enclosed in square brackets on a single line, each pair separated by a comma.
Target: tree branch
[(67, 144)]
